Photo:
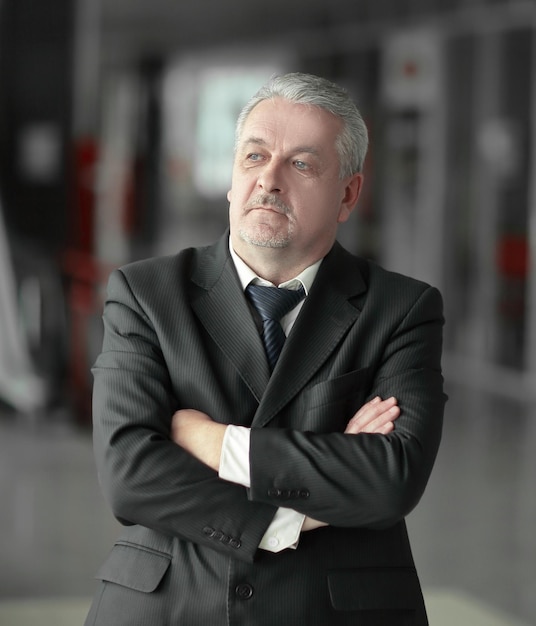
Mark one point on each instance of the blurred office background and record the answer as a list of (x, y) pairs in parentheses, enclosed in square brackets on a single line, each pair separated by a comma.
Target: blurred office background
[(116, 130)]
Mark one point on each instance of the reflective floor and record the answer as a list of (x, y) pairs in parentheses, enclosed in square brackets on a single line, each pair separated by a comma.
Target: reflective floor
[(473, 533)]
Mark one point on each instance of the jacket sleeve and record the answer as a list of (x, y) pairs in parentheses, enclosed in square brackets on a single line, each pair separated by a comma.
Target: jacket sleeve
[(145, 477), (365, 480)]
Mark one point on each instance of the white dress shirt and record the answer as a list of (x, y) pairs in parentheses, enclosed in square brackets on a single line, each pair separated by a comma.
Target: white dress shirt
[(284, 531)]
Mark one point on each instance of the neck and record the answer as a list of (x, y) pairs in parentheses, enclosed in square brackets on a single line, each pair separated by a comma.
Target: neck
[(276, 265)]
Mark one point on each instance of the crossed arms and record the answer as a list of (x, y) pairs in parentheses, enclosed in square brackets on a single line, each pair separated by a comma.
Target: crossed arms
[(196, 432), (203, 438)]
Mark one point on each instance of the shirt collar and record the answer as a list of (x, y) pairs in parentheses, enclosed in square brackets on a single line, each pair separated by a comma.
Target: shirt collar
[(246, 275)]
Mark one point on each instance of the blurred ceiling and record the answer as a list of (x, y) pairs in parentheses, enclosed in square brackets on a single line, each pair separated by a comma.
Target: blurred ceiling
[(161, 26), (164, 26)]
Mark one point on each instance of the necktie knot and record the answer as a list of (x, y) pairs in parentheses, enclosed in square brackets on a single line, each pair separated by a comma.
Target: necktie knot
[(273, 304)]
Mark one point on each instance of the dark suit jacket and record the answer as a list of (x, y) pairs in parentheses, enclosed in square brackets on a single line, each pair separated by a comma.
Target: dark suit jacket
[(179, 334)]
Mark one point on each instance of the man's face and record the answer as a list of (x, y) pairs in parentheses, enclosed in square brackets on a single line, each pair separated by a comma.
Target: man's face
[(286, 192)]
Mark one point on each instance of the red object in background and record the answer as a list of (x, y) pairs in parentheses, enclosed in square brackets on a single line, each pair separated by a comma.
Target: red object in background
[(513, 256), (83, 214), (83, 276), (84, 280)]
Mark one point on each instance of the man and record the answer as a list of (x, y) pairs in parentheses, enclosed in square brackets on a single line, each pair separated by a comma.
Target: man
[(258, 490)]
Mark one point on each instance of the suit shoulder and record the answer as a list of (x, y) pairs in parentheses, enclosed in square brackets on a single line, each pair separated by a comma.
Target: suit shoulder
[(147, 278), (180, 266), (391, 285), (157, 265), (380, 274), (174, 267), (155, 284)]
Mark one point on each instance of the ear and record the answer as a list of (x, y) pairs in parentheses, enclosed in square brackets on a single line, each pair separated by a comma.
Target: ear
[(229, 195), (351, 195)]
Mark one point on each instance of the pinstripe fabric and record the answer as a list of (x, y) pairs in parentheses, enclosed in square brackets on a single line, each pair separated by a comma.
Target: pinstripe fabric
[(188, 553), (273, 304)]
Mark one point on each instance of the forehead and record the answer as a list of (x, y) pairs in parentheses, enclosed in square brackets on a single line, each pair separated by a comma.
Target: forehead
[(281, 122)]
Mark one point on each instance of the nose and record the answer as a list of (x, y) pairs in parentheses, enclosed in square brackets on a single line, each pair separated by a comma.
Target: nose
[(270, 178)]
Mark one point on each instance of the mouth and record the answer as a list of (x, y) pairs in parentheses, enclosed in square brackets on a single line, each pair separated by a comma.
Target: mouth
[(269, 208)]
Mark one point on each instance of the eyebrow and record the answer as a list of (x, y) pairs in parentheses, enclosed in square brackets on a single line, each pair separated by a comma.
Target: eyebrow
[(258, 141), (255, 140)]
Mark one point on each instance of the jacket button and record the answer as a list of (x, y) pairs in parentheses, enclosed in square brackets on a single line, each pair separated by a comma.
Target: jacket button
[(244, 591), (274, 492), (304, 494), (235, 543), (209, 532)]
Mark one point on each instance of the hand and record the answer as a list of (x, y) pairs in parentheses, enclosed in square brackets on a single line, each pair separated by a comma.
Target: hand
[(199, 435), (376, 417)]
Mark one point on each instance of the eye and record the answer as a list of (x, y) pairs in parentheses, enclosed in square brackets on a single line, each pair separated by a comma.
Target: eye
[(254, 156), (301, 165)]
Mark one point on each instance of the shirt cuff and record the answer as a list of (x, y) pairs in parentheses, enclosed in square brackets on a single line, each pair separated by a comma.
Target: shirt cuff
[(234, 459), (284, 531), (285, 528)]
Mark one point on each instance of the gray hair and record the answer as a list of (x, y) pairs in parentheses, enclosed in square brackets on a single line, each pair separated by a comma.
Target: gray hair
[(352, 142)]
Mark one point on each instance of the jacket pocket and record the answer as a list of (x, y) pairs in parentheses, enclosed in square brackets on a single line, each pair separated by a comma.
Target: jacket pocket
[(327, 406), (333, 389), (135, 567), (375, 589)]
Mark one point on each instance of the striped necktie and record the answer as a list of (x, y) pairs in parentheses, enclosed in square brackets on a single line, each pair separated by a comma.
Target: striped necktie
[(273, 303)]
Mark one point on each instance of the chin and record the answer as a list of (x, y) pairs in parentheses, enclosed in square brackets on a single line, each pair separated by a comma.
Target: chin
[(264, 239)]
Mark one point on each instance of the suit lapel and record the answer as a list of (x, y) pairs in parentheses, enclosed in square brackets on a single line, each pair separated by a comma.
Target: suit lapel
[(331, 308), (222, 309)]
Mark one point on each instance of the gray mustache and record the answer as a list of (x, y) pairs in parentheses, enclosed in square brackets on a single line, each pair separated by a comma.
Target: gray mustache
[(269, 200)]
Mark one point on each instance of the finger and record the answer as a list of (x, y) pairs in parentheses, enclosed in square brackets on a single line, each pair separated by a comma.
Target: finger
[(371, 410), (366, 409), (372, 417), (385, 429), (383, 419), (383, 424)]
